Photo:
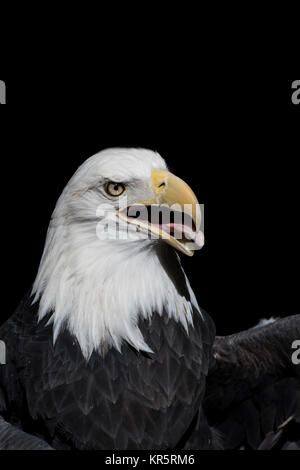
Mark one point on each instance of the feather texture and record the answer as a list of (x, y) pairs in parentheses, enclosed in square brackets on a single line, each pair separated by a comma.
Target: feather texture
[(122, 400), (253, 390)]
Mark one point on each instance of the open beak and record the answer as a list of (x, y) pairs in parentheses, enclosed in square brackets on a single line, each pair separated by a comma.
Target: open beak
[(173, 214)]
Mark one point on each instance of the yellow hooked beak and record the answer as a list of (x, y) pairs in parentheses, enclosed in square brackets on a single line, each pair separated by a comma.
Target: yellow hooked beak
[(173, 193)]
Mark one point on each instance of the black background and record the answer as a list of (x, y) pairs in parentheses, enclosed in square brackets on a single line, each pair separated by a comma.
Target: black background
[(234, 140)]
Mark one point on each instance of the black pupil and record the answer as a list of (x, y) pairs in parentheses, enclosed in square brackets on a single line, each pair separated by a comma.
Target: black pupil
[(116, 187)]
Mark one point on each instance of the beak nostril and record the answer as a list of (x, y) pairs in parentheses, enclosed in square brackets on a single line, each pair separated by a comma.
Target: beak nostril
[(162, 184)]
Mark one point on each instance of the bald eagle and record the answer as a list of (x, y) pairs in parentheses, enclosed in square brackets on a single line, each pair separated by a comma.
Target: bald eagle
[(110, 349)]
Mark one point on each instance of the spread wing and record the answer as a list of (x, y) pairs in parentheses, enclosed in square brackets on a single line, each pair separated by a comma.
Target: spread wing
[(253, 388)]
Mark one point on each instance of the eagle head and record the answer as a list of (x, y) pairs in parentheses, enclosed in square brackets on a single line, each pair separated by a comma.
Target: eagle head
[(102, 267)]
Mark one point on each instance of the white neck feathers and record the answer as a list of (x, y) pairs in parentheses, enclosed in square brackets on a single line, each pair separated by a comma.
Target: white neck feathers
[(98, 290)]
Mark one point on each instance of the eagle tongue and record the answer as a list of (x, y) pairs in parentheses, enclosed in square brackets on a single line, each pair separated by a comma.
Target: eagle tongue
[(188, 233)]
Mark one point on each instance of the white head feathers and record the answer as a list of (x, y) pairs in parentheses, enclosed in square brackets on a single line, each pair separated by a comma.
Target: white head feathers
[(99, 288)]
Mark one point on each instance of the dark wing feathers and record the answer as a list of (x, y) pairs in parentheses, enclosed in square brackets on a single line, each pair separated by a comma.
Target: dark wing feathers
[(253, 389), (252, 396), (12, 438), (122, 401)]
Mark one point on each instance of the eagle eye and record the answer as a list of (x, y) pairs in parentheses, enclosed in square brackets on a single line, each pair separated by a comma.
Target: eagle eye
[(114, 189)]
